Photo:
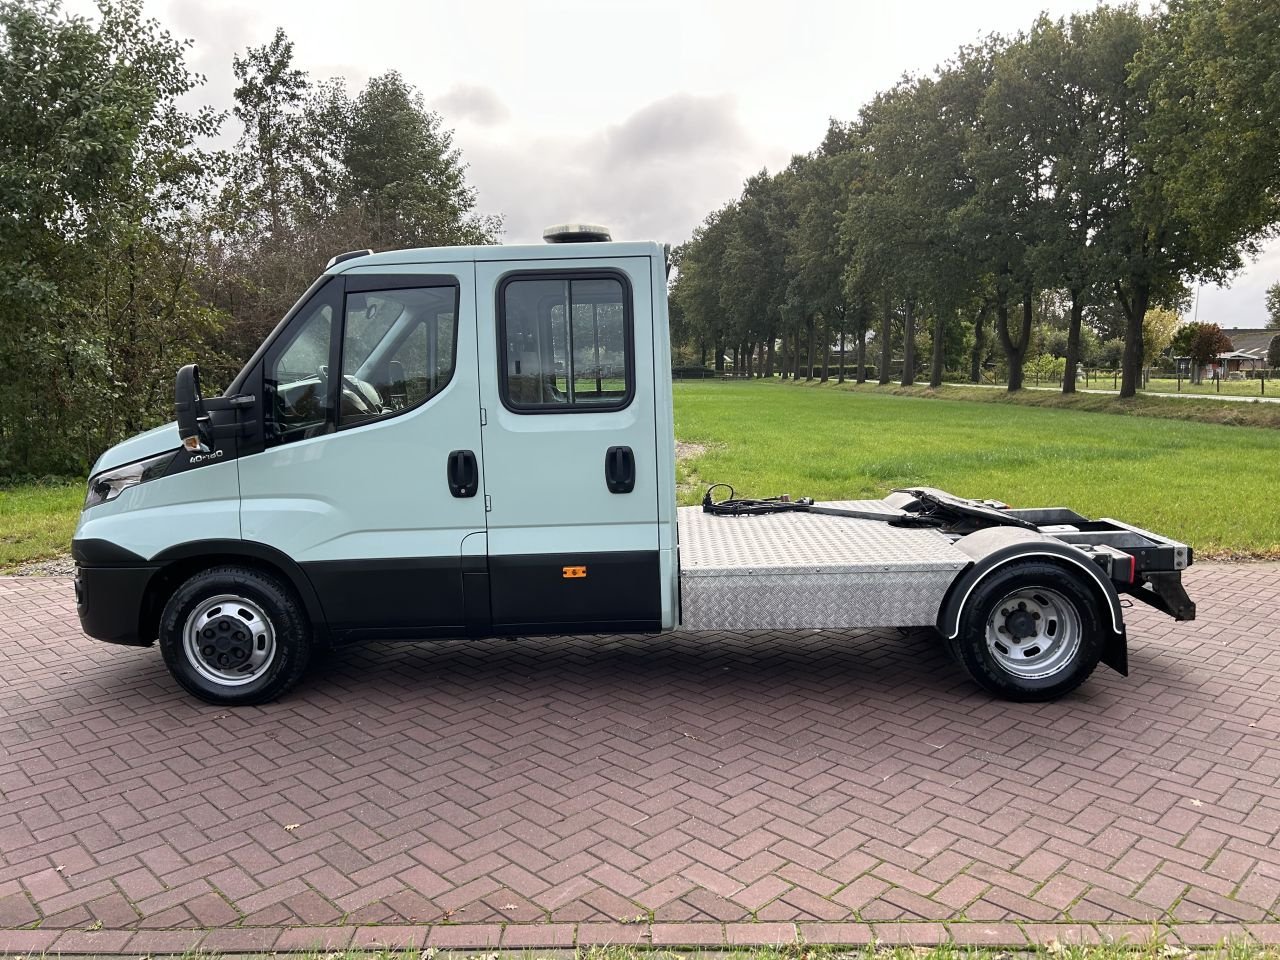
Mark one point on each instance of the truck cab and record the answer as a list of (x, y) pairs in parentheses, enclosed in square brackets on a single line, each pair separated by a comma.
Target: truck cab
[(432, 443), (478, 441)]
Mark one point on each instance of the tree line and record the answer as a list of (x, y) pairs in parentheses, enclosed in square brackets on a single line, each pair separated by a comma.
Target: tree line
[(129, 246), (1068, 181)]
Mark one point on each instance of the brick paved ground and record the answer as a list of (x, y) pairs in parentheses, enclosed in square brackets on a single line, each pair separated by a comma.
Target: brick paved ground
[(730, 789)]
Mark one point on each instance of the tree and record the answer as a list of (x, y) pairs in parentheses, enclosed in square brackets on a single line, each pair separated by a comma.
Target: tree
[(938, 183), (316, 172), (1273, 307), (272, 148), (1068, 74), (403, 178), (817, 197), (1203, 343), (269, 220), (1210, 69), (99, 246), (1195, 174), (1158, 329), (1005, 219), (698, 282), (1273, 353), (754, 283), (898, 232)]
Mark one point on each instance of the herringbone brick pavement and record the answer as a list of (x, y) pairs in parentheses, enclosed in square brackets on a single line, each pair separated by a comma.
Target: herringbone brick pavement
[(698, 782)]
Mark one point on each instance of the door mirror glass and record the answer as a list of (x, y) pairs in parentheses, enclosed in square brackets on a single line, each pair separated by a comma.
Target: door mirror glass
[(188, 407)]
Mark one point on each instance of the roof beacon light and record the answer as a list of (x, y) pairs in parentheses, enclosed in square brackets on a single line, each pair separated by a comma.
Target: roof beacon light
[(576, 233)]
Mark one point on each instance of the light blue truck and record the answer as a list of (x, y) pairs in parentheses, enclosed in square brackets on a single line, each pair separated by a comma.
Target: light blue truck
[(478, 441)]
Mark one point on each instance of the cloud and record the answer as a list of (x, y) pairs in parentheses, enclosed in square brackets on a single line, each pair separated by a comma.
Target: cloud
[(1243, 303), (219, 31), (678, 126), (653, 176), (468, 103)]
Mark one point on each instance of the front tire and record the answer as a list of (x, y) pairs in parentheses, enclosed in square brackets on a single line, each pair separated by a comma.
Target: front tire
[(1029, 632), (235, 636)]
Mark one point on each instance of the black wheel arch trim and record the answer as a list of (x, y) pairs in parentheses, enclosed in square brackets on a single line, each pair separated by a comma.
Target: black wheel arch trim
[(1115, 651), (251, 550), (94, 552)]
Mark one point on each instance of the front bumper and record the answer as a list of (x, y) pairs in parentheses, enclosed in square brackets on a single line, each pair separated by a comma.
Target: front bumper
[(109, 602)]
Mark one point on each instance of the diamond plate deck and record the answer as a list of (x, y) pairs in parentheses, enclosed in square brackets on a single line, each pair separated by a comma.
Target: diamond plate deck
[(796, 570)]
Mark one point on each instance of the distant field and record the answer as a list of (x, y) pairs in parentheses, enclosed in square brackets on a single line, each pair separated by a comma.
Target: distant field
[(1213, 486)]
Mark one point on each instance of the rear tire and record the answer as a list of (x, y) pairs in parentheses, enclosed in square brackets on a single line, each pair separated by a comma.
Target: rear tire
[(235, 636), (1030, 631)]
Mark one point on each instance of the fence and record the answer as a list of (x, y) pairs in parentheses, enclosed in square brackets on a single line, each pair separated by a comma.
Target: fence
[(833, 373)]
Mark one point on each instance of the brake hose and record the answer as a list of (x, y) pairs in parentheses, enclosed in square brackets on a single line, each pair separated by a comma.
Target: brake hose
[(733, 506)]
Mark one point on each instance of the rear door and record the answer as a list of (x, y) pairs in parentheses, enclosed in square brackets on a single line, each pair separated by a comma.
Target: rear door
[(570, 464), (368, 474)]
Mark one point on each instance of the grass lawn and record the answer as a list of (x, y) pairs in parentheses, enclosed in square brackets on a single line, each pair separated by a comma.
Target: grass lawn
[(1212, 486), (37, 520)]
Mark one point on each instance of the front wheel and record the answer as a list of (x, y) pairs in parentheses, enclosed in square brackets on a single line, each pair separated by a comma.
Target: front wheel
[(235, 635), (1030, 631)]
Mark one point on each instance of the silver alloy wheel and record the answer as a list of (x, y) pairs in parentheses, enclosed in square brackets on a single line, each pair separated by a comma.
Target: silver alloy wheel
[(1034, 633), (229, 640)]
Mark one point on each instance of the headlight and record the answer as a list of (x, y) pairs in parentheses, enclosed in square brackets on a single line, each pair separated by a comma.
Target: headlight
[(111, 483)]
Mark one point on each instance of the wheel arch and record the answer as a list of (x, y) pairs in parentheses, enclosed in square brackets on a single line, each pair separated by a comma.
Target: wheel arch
[(998, 548), (177, 563)]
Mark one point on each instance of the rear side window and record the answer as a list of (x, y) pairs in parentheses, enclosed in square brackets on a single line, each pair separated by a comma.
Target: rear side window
[(566, 342), (398, 350)]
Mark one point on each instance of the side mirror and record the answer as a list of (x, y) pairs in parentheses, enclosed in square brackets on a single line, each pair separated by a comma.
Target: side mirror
[(188, 407)]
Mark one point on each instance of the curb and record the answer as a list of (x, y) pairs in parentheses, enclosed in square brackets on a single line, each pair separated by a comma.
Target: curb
[(516, 936)]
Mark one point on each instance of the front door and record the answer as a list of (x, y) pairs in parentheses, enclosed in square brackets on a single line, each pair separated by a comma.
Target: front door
[(369, 474), (567, 386)]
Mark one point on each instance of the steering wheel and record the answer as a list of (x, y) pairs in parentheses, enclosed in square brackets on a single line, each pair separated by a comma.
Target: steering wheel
[(352, 393), (355, 389)]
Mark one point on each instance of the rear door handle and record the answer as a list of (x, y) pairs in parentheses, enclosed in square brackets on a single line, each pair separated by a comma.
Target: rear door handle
[(620, 469), (462, 471)]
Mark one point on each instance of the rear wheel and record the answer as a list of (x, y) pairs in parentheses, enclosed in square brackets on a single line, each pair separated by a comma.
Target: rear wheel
[(1030, 631), (235, 635)]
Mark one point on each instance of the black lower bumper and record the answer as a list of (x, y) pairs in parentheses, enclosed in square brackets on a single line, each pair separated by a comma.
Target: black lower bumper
[(109, 602)]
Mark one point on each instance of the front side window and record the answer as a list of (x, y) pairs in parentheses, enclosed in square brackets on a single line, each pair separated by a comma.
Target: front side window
[(566, 343), (398, 350), (296, 380)]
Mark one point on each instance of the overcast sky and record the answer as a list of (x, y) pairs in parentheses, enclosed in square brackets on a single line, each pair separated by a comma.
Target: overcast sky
[(640, 115)]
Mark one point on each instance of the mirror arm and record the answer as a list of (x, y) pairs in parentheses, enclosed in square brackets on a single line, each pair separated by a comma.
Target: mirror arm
[(236, 402)]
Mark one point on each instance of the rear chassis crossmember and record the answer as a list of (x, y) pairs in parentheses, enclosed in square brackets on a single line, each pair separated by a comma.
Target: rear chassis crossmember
[(1154, 562), (1141, 564)]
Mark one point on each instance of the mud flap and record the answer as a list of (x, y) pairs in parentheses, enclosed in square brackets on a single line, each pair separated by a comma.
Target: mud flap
[(1116, 653)]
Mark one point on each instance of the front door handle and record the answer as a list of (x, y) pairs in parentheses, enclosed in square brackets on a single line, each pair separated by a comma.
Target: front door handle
[(462, 471), (620, 469)]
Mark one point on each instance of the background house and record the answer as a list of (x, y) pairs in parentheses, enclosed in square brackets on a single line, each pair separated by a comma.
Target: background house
[(1248, 352)]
